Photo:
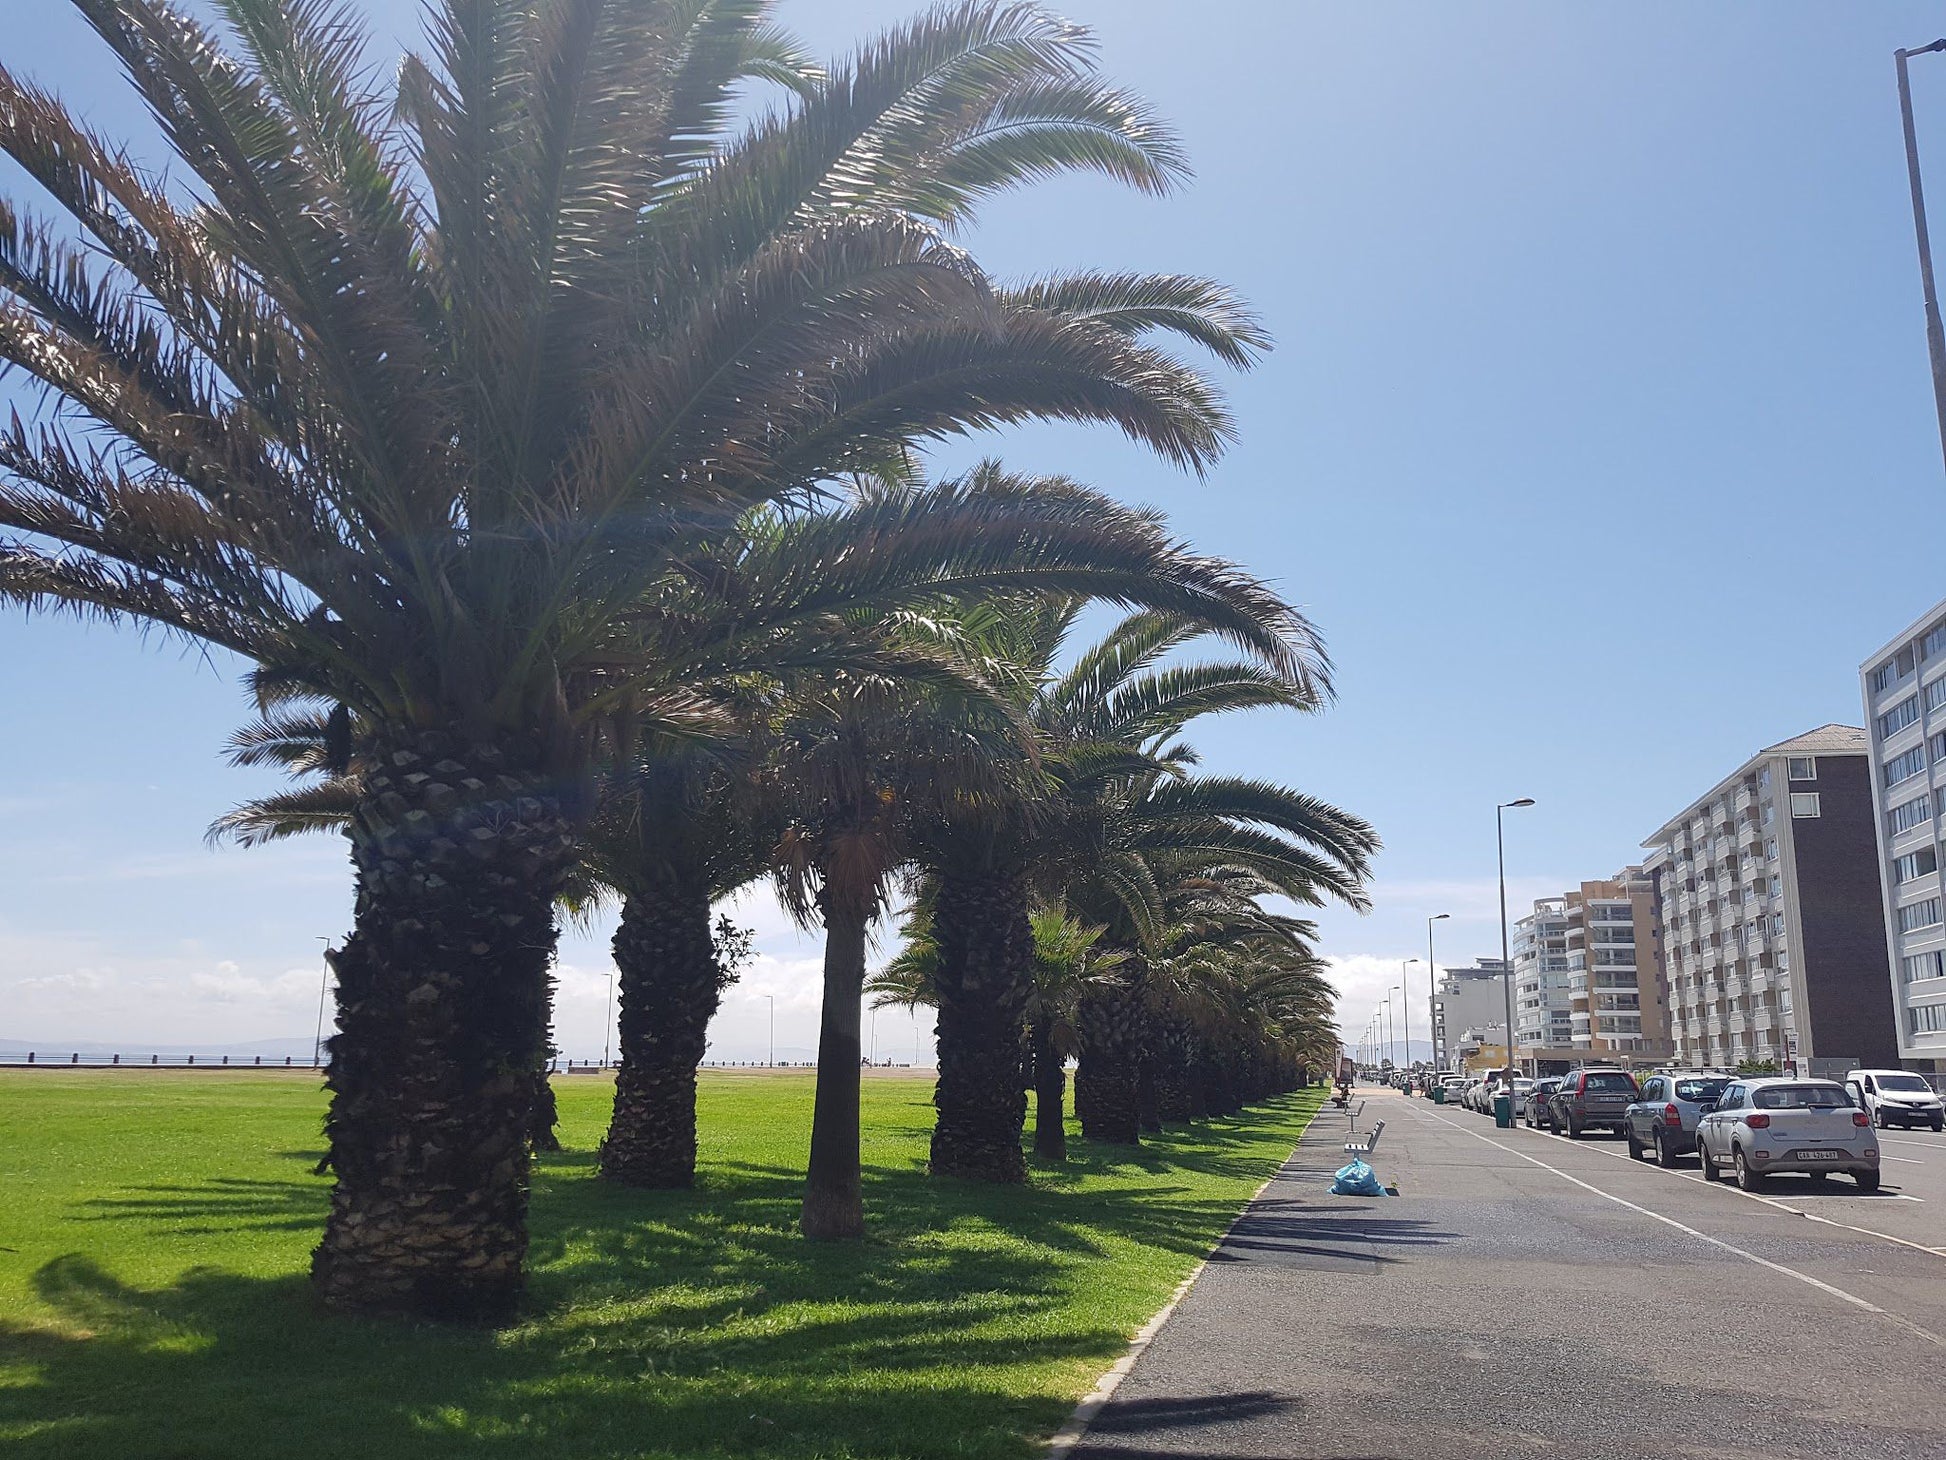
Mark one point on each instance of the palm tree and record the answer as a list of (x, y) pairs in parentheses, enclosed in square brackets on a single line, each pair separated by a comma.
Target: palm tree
[(1066, 959), (412, 399), (681, 826)]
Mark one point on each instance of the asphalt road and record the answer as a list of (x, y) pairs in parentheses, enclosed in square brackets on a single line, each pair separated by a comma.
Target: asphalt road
[(1528, 1295)]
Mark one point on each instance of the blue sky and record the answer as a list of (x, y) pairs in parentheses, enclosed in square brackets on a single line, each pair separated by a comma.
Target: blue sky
[(1598, 439)]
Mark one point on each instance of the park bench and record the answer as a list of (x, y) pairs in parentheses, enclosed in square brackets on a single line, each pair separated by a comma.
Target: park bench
[(1368, 1145)]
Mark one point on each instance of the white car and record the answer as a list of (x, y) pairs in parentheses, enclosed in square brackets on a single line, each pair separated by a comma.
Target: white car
[(1523, 1087), (1897, 1097), (1811, 1127)]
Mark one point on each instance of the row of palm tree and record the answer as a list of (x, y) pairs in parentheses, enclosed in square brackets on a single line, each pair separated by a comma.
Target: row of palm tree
[(539, 429), (1140, 938)]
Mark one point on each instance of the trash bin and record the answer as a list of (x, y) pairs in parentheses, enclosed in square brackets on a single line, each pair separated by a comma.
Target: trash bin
[(1438, 1094), (1503, 1110)]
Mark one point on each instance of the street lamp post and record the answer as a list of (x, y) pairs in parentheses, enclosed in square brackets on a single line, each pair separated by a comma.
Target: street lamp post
[(1391, 1046), (1506, 958), (1405, 1013), (771, 999), (1432, 989), (1935, 334)]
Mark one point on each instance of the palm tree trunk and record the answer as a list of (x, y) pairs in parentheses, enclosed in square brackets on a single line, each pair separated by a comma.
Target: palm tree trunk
[(1107, 1021), (983, 983), (834, 1204), (1050, 1093), (668, 984), (547, 1115), (1148, 1104), (443, 993)]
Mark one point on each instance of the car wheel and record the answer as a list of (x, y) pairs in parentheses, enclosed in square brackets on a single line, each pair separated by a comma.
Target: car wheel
[(1879, 1119), (1636, 1150), (1665, 1155), (1747, 1177), (1938, 1124), (1711, 1172), (1574, 1129), (1867, 1180)]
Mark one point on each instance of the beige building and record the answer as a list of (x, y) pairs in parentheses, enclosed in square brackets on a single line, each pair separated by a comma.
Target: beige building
[(1588, 978)]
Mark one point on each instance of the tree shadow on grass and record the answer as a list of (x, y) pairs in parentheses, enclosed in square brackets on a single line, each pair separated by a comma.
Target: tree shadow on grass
[(691, 1323)]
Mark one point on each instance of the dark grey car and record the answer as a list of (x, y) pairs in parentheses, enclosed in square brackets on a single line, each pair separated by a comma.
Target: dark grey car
[(1594, 1098), (1664, 1119)]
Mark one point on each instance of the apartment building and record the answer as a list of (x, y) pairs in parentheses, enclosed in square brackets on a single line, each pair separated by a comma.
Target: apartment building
[(1617, 993), (1904, 686), (1588, 972), (1540, 956), (1469, 999), (1770, 913)]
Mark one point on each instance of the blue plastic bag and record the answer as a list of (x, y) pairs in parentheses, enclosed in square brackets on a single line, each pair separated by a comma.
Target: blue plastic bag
[(1357, 1179)]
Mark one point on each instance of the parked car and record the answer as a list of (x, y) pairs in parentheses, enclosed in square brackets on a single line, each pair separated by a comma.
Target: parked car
[(1897, 1097), (1763, 1127), (1594, 1098), (1535, 1110), (1523, 1092), (1469, 1090), (1453, 1085), (1484, 1092), (1664, 1119)]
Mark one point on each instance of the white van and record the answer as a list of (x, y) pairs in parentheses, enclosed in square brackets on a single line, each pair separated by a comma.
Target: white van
[(1897, 1097)]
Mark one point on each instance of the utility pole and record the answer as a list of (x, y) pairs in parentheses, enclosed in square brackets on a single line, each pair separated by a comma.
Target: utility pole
[(1935, 333), (1506, 959)]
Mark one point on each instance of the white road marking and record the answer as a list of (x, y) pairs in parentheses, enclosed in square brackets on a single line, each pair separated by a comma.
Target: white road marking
[(1731, 1247), (1906, 1160)]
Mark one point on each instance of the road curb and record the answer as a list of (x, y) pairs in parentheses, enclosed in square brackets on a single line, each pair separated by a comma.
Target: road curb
[(1076, 1429)]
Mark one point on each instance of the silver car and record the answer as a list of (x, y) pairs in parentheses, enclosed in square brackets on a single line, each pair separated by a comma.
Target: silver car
[(1811, 1127), (1664, 1119), (1534, 1108)]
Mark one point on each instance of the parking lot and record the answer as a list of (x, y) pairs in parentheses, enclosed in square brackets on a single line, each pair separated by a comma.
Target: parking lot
[(1527, 1294)]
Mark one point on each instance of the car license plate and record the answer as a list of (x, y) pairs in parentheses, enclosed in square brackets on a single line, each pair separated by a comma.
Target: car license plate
[(1817, 1155)]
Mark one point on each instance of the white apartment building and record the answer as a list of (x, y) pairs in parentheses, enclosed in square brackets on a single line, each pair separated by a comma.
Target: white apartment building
[(1540, 956), (1766, 893), (1469, 999), (1904, 686)]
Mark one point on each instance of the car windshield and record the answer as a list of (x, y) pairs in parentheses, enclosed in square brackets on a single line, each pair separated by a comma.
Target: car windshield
[(1800, 1097), (1608, 1084), (1703, 1092), (1903, 1082)]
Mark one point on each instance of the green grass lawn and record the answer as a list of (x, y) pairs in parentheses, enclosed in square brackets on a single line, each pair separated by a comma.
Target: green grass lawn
[(155, 1228)]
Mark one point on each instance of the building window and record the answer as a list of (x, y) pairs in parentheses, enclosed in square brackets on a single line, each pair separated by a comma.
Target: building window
[(1763, 779), (1776, 885), (1804, 805), (1911, 814), (1935, 640), (1770, 813), (1928, 1019), (1919, 967), (1936, 693), (1915, 864), (1892, 671), (1770, 849), (1904, 767), (1889, 724), (1939, 747), (1916, 915), (1777, 924)]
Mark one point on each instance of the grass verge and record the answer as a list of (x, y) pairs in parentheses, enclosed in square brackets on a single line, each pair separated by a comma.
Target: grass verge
[(156, 1228)]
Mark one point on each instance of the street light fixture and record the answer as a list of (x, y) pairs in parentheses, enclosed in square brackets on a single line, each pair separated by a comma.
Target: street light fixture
[(1506, 958), (1432, 989), (1935, 334)]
